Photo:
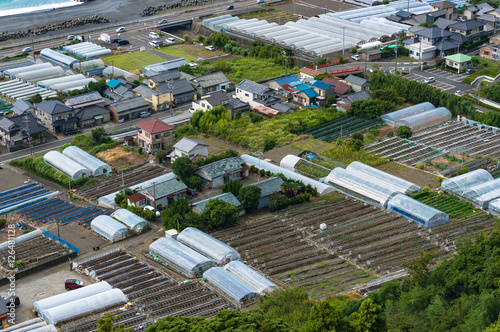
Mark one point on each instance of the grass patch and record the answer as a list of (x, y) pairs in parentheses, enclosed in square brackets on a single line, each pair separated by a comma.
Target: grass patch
[(256, 70), (332, 197), (346, 154), (133, 60), (492, 72), (179, 52)]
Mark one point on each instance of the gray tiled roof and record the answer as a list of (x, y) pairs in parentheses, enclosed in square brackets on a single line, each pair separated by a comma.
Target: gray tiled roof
[(53, 107), (129, 104), (281, 107), (355, 80), (84, 98), (221, 167), (89, 112), (360, 95), (269, 186), (121, 89), (467, 25), (211, 79), (164, 188), (216, 98), (187, 144), (145, 91), (437, 13), (434, 32), (252, 87), (180, 86), (33, 125), (6, 123), (163, 77), (226, 197), (443, 23), (21, 106), (235, 103)]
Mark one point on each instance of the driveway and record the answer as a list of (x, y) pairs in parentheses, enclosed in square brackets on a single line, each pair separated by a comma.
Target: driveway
[(445, 81)]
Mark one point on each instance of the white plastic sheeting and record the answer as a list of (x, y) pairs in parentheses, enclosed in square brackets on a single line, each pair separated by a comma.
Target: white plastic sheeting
[(109, 228), (180, 257), (74, 295), (73, 85), (41, 74), (322, 188), (87, 50), (130, 219), (481, 194), (65, 79), (429, 118), (83, 306), (89, 65), (94, 165), (209, 246), (417, 211), (46, 328), (393, 117), (66, 165), (228, 284), (58, 58), (461, 183), (14, 71), (494, 205), (249, 276), (20, 239), (115, 71)]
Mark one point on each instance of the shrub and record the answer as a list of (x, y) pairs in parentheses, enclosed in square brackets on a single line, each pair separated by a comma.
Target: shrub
[(3, 221), (462, 171), (420, 165), (262, 172)]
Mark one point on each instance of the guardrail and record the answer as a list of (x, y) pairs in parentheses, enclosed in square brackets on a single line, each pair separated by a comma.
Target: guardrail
[(345, 71)]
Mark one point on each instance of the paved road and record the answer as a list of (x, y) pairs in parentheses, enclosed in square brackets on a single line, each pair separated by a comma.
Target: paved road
[(445, 81)]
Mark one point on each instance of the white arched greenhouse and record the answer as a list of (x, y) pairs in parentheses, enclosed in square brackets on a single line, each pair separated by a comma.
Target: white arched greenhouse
[(429, 118), (417, 211), (94, 165), (11, 73), (393, 117), (83, 306), (66, 165), (209, 246), (368, 190), (228, 284), (252, 278), (73, 85), (494, 206), (483, 193), (58, 58), (459, 184), (109, 228), (180, 257), (115, 71), (305, 167), (47, 84), (403, 186), (74, 295), (131, 220), (41, 74)]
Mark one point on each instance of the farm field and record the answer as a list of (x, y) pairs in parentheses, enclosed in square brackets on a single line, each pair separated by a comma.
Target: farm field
[(133, 61), (344, 126), (271, 15), (117, 157)]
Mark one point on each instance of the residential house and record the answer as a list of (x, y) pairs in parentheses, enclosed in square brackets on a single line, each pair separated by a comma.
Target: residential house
[(55, 116), (415, 20), (211, 100), (4, 310), (360, 95), (357, 83), (340, 88), (305, 95), (22, 106), (448, 7), (128, 109), (162, 94), (282, 108), (166, 66), (137, 200), (214, 175), (164, 193), (308, 73), (399, 16), (444, 23), (489, 51), (266, 112), (279, 82), (371, 55), (117, 90), (471, 29), (256, 94), (199, 207), (211, 82), (431, 42), (153, 79), (83, 100), (189, 148), (432, 17), (17, 131), (479, 10), (323, 89), (458, 61), (267, 188), (93, 115), (154, 135)]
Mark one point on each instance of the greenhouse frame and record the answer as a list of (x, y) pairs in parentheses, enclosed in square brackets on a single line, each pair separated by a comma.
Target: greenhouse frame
[(109, 228), (401, 185), (393, 117), (112, 71), (429, 118), (83, 306), (322, 188), (66, 165), (11, 73), (355, 185), (417, 211), (58, 58), (47, 84), (180, 257), (131, 220), (494, 206), (92, 67), (87, 50), (249, 276), (41, 74), (228, 284), (96, 166), (305, 167), (483, 193), (461, 183), (207, 245), (74, 295)]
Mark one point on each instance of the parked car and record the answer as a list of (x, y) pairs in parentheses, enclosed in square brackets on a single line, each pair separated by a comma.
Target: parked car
[(210, 48), (26, 49), (429, 80), (115, 40), (170, 40), (122, 42), (260, 1), (154, 35), (461, 19), (150, 208), (156, 43), (229, 7), (71, 132), (144, 114), (355, 57), (470, 71), (459, 93), (70, 284), (191, 110), (12, 299), (192, 64), (71, 37), (120, 30), (163, 21)]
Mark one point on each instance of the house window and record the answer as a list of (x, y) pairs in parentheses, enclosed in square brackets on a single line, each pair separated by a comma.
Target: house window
[(147, 135), (68, 116), (166, 134), (486, 53), (184, 154), (158, 136), (140, 131), (58, 118)]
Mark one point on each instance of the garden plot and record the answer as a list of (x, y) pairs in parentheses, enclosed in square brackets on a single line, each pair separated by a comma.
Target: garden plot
[(341, 127)]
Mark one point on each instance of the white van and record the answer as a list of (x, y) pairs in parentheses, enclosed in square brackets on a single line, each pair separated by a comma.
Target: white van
[(156, 43), (170, 40), (154, 35)]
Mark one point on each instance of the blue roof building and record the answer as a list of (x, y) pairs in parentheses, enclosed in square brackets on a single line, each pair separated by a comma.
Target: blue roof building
[(113, 83)]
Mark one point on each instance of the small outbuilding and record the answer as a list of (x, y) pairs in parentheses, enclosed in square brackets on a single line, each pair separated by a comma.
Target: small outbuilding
[(371, 55)]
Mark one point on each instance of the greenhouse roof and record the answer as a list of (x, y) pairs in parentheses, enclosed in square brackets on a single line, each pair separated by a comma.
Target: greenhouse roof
[(229, 284), (130, 219), (66, 165), (249, 276), (221, 167), (269, 186), (407, 111), (108, 227), (483, 193), (461, 183), (85, 159), (427, 119), (416, 210)]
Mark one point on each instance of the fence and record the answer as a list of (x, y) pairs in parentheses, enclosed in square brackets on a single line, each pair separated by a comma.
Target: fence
[(345, 71), (324, 65), (58, 239)]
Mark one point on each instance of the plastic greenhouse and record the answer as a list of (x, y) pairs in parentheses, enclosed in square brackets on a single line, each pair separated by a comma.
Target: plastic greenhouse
[(14, 71), (305, 167), (21, 238), (229, 284), (403, 186), (133, 221), (69, 167), (368, 190), (220, 252), (41, 74), (73, 85), (494, 205), (427, 119), (483, 193), (417, 211), (46, 328), (180, 257), (70, 78), (74, 295), (115, 71), (96, 166), (58, 58), (83, 306), (90, 66), (252, 278), (459, 184), (109, 228), (393, 117)]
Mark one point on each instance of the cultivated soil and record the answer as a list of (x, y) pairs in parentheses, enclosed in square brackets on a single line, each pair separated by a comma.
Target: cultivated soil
[(117, 157)]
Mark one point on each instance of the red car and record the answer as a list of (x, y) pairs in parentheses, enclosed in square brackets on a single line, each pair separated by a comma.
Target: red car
[(70, 284)]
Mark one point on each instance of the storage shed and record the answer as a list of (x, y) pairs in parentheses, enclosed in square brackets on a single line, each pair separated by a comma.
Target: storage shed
[(417, 211), (459, 184), (94, 165), (252, 278), (74, 295), (131, 220), (83, 306), (220, 252), (109, 228), (180, 257), (66, 165), (483, 193), (228, 284)]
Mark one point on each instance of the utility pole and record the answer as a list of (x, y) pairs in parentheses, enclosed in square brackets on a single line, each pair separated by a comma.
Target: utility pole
[(343, 40), (123, 184), (154, 196), (340, 131), (27, 129), (170, 85), (113, 69), (33, 47), (396, 67), (286, 62)]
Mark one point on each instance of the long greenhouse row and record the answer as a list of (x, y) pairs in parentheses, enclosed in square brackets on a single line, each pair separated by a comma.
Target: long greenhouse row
[(418, 116), (87, 50), (117, 226)]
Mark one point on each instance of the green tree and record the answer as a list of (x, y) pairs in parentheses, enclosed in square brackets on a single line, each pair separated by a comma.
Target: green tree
[(222, 65), (404, 132), (371, 318), (219, 213), (269, 144), (217, 40), (160, 155), (176, 214), (35, 99), (232, 187), (331, 100), (98, 135), (419, 268), (186, 69), (323, 61), (183, 167), (290, 304), (106, 324), (98, 86), (322, 76), (187, 38), (249, 197), (325, 317), (462, 171)]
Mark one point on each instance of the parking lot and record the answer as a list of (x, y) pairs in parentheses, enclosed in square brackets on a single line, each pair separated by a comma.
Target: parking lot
[(445, 81), (141, 38)]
